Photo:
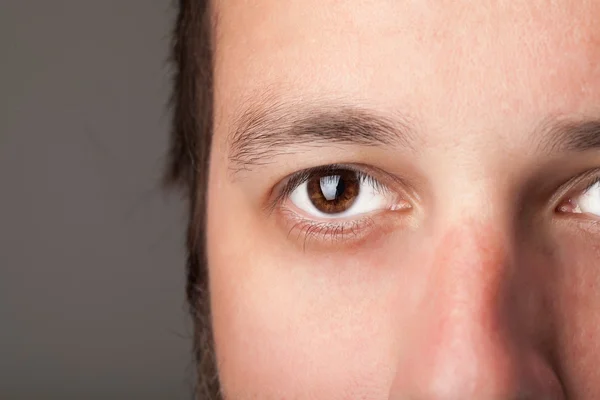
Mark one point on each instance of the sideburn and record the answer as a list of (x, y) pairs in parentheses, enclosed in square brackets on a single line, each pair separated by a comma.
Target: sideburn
[(191, 138)]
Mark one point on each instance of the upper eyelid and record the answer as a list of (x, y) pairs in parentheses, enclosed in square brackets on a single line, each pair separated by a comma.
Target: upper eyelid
[(576, 185), (286, 186), (300, 177), (594, 181)]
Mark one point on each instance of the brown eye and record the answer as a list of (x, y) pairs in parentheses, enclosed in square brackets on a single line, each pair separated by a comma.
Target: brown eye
[(333, 192), (587, 202)]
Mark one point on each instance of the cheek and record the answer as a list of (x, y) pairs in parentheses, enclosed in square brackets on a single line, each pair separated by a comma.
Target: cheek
[(294, 324), (291, 327), (578, 303)]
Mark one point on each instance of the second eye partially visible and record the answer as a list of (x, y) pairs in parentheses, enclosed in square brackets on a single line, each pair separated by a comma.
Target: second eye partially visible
[(587, 202)]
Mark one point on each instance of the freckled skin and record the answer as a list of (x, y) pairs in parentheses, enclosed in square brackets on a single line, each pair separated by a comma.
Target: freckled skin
[(485, 293)]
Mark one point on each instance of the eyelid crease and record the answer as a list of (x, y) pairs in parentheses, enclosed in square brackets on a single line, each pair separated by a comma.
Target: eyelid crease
[(587, 180), (592, 184)]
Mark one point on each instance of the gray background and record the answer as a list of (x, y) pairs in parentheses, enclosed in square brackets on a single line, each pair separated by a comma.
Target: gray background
[(91, 248)]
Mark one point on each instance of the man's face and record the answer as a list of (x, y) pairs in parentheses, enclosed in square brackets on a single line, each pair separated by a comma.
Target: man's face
[(403, 199)]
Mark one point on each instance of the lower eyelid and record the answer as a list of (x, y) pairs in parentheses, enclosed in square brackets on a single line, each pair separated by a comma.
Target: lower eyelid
[(344, 228), (349, 232), (308, 231)]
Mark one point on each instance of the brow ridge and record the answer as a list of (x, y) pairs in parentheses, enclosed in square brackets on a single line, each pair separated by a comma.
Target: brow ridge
[(264, 132), (570, 135)]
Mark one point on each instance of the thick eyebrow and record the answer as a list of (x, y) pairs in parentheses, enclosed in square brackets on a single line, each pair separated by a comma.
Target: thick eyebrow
[(261, 133), (573, 136)]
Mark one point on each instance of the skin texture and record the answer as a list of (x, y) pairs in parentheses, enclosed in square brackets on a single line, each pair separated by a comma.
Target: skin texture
[(481, 289)]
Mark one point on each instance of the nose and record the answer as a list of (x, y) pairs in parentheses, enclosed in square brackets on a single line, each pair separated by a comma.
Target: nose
[(469, 336)]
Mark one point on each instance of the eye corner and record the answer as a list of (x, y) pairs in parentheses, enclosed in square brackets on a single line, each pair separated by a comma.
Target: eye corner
[(401, 206), (567, 206), (580, 196), (363, 204)]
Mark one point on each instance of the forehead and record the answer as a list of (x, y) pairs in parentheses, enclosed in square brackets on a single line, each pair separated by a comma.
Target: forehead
[(453, 60)]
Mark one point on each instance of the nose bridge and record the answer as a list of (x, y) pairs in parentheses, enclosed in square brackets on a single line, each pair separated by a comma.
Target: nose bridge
[(470, 273), (466, 300), (474, 258), (464, 345)]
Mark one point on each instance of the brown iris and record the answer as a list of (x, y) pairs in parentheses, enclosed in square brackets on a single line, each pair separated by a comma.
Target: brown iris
[(334, 191)]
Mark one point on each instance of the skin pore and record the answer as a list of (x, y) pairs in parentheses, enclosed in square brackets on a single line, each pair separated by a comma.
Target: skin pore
[(469, 267)]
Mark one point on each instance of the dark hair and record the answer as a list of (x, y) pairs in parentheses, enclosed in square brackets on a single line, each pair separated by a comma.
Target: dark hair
[(191, 136)]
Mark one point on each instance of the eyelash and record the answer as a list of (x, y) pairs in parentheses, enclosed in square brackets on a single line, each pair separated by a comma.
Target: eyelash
[(594, 181), (333, 232), (577, 186), (591, 184), (301, 177), (343, 230), (320, 230)]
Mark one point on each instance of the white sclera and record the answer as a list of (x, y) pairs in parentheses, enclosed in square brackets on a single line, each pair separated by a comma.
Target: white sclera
[(589, 202), (370, 198)]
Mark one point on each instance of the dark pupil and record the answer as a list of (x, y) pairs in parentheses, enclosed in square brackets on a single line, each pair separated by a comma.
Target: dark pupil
[(333, 192), (340, 188)]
